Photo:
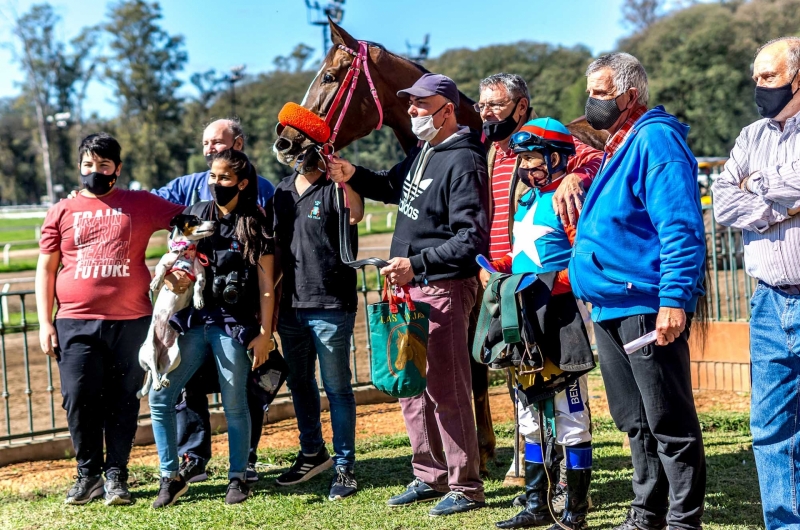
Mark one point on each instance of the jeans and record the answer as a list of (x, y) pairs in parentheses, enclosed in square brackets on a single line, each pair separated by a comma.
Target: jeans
[(194, 420), (308, 334), (775, 373), (650, 398), (98, 364), (233, 367)]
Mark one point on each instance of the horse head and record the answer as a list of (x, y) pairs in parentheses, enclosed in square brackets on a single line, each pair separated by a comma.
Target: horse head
[(389, 73), (295, 146)]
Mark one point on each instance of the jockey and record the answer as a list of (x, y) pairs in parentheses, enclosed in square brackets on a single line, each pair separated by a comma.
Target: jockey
[(541, 244)]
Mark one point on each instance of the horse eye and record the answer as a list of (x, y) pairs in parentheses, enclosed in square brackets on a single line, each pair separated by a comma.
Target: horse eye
[(328, 78)]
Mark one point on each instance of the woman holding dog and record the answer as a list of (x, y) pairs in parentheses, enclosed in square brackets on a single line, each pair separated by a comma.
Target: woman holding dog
[(234, 323)]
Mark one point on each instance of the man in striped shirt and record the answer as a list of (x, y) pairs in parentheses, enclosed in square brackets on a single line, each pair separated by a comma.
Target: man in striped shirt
[(759, 192)]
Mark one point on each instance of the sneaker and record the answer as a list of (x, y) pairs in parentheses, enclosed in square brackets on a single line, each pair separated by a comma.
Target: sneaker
[(343, 484), (238, 491), (85, 489), (251, 475), (171, 490), (306, 467), (455, 502), (116, 489), (192, 469), (415, 492)]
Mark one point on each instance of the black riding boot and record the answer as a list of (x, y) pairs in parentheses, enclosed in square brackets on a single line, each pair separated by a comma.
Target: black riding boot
[(536, 512), (577, 505)]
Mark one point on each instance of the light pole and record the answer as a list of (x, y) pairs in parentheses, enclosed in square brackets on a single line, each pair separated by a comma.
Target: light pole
[(237, 74), (318, 16), (419, 53), (61, 120)]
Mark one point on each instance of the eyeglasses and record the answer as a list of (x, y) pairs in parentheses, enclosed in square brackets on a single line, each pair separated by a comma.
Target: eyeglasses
[(530, 140), (494, 106)]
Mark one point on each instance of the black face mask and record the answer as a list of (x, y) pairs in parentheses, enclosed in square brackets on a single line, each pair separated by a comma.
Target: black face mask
[(210, 158), (496, 131), (98, 183), (223, 194), (771, 101), (602, 113)]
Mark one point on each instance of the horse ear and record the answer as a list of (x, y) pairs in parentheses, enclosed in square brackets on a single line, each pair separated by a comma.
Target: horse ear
[(340, 36)]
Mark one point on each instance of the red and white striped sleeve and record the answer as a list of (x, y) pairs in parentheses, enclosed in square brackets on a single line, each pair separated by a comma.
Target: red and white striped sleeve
[(585, 162)]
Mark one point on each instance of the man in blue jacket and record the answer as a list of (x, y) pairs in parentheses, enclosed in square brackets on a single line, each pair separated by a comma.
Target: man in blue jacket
[(639, 258), (218, 136), (194, 428)]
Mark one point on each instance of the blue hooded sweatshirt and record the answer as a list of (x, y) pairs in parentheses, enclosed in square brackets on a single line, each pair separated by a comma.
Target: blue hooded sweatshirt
[(640, 241), (181, 189)]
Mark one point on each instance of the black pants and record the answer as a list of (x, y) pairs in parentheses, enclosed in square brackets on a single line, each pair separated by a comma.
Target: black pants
[(650, 398), (193, 420), (98, 362)]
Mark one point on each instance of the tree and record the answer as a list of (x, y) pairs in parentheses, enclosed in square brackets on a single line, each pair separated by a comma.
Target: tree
[(296, 60), (56, 79), (641, 14), (547, 70), (143, 66), (698, 61)]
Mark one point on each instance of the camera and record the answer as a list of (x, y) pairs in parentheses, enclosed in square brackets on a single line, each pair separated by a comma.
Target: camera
[(228, 287)]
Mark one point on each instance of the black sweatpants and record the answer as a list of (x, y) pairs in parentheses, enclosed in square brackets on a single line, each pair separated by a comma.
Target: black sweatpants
[(650, 398), (98, 362), (193, 419)]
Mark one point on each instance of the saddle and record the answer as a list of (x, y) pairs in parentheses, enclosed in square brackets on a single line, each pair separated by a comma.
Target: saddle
[(541, 337)]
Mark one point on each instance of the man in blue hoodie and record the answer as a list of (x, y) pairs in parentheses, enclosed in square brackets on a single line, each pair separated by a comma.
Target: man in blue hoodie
[(639, 258), (194, 427)]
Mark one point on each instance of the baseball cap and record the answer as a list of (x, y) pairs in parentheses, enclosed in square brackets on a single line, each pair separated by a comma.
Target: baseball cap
[(432, 84)]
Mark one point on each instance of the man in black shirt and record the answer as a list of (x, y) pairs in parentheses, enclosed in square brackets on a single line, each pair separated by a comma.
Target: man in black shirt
[(441, 227), (316, 318)]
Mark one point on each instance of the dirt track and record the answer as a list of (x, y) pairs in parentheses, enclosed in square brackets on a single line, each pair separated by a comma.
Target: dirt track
[(372, 420)]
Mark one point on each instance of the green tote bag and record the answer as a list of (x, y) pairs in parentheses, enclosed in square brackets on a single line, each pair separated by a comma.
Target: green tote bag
[(399, 334)]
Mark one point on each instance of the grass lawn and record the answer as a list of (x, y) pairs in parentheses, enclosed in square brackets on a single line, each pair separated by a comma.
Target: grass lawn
[(378, 211), (383, 469), (19, 229)]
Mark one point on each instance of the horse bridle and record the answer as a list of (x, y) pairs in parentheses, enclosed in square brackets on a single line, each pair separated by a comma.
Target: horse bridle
[(360, 59), (326, 150)]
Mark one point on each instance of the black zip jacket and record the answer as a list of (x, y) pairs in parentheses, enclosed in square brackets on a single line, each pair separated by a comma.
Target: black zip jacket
[(442, 191)]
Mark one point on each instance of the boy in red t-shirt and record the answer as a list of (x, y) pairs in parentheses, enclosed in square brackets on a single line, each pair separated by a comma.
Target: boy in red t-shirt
[(103, 315)]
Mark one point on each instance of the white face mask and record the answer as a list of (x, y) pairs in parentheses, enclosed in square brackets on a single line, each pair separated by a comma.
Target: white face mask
[(423, 127)]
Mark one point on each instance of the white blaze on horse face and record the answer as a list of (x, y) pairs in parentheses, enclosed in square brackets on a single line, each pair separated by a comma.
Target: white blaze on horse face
[(305, 98)]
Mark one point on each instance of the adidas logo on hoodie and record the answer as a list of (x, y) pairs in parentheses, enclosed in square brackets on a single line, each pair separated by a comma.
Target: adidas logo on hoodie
[(411, 192)]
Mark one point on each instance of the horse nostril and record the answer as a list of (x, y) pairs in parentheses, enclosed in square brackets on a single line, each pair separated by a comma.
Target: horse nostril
[(282, 144)]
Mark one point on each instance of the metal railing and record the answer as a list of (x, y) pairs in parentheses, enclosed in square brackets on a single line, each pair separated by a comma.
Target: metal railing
[(28, 384), (730, 288), (30, 381)]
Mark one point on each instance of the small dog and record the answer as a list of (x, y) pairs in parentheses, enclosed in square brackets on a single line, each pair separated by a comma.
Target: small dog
[(159, 354)]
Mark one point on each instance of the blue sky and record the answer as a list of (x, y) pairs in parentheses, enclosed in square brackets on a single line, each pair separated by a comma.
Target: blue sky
[(221, 34)]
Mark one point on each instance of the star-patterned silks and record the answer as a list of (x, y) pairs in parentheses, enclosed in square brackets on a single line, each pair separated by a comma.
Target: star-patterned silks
[(525, 235)]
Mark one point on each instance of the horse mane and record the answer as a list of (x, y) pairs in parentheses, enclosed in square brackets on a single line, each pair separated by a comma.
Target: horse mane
[(418, 66)]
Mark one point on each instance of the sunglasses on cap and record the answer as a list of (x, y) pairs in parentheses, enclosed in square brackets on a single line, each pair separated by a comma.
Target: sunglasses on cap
[(529, 139)]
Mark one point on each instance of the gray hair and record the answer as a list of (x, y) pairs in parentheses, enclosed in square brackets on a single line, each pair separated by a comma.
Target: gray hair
[(794, 50), (628, 72), (233, 126), (516, 86)]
